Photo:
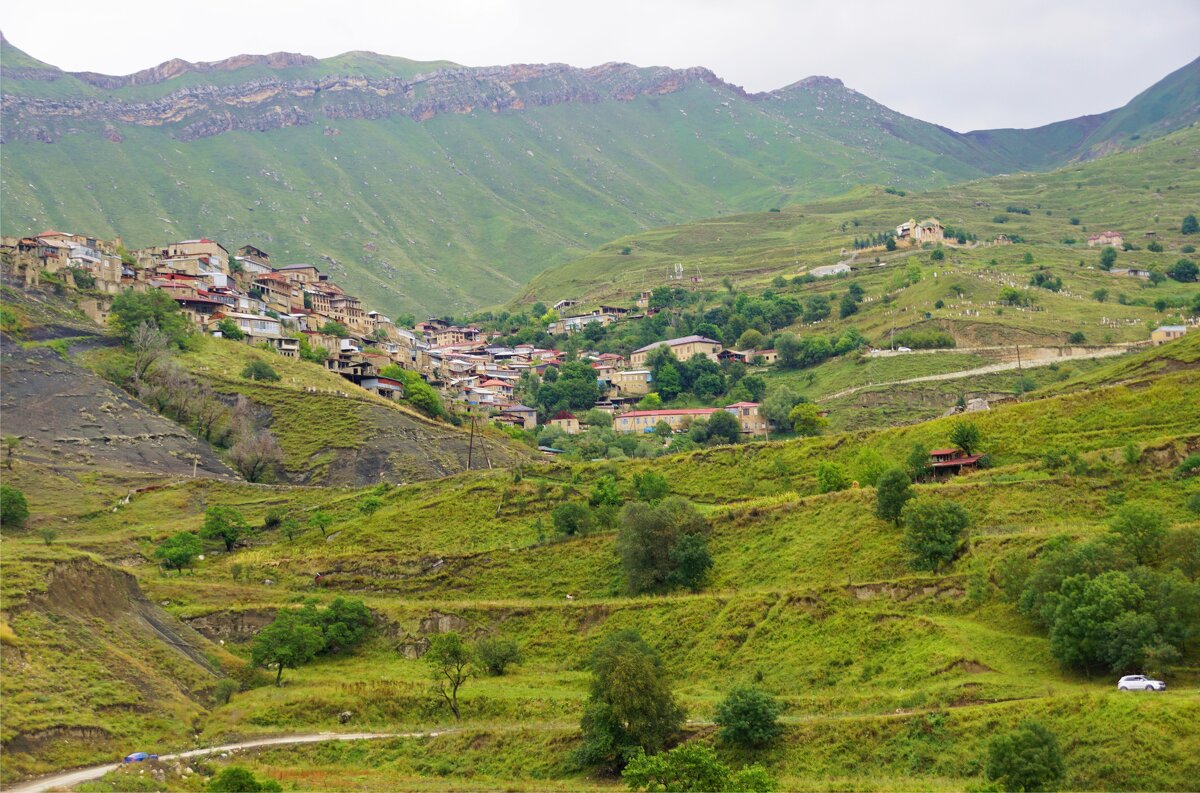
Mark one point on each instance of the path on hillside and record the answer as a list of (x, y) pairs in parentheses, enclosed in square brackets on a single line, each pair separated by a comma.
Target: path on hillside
[(989, 369), (69, 779)]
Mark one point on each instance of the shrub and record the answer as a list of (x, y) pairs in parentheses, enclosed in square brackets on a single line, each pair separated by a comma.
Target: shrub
[(369, 505), (1190, 225), (1189, 467), (235, 779), (14, 509), (831, 477), (224, 690), (923, 339), (260, 370), (630, 704), (892, 492), (1184, 271), (748, 717), (693, 767), (571, 518), (230, 330), (1028, 758), (496, 654), (934, 532), (1077, 338)]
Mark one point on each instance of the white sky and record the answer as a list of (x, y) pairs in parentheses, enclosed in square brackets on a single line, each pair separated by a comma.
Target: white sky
[(966, 64)]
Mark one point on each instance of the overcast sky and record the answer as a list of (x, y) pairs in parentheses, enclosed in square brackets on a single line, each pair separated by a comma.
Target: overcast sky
[(966, 64)]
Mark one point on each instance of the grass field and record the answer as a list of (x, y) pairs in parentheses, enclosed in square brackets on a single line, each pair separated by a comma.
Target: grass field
[(889, 679)]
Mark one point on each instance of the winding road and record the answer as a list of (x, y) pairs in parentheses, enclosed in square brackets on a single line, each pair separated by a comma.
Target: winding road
[(69, 779)]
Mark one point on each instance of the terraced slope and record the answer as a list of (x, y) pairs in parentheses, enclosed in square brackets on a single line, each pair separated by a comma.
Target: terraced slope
[(891, 679)]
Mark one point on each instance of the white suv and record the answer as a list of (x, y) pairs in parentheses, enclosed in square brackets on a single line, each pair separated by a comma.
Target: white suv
[(1140, 683)]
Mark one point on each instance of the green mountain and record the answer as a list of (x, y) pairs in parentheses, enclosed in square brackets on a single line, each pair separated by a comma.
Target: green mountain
[(431, 186)]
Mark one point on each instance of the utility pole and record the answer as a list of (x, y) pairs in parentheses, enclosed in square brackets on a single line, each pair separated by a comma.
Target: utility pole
[(1018, 357), (471, 443)]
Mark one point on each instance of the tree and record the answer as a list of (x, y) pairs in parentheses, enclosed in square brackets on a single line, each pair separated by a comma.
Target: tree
[(235, 779), (1108, 257), (130, 310), (571, 518), (605, 492), (1142, 531), (789, 350), (748, 717), (1183, 271), (630, 705), (11, 443), (1026, 759), (806, 419), (691, 562), (343, 623), (288, 641), (687, 767), (260, 370), (966, 437), (225, 524), (918, 462), (890, 244), (320, 520), (934, 531), (1190, 225), (847, 306), (14, 509), (450, 663), (668, 383), (148, 345), (335, 329), (369, 505), (496, 654), (778, 404), (892, 492), (1100, 295), (230, 330), (648, 535), (831, 477), (256, 455), (650, 487), (1077, 338), (751, 340), (179, 550), (723, 427)]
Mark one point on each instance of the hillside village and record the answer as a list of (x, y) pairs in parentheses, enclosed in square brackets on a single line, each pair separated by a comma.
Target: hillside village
[(298, 311)]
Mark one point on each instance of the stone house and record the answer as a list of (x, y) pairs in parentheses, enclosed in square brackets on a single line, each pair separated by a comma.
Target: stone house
[(684, 348)]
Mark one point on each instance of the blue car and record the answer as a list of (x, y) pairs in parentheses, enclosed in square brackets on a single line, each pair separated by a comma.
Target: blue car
[(138, 757)]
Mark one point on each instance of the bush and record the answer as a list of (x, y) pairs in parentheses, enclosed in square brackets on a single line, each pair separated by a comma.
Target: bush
[(693, 767), (892, 492), (924, 339), (630, 705), (1028, 758), (230, 330), (572, 518), (1077, 338), (14, 509), (650, 487), (496, 654), (934, 532), (1184, 271), (235, 779), (260, 370), (748, 717), (224, 690), (831, 477), (1189, 467), (369, 505), (1190, 225), (690, 561)]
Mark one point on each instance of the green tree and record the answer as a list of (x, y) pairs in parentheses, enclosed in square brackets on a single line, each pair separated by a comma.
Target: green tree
[(723, 427), (650, 487), (966, 437), (890, 244), (320, 520), (934, 531), (1077, 338), (1189, 225), (668, 383), (778, 404), (831, 477), (892, 492), (230, 330), (369, 505), (647, 537), (630, 705), (1026, 759), (235, 779), (687, 767), (179, 550), (789, 350), (1183, 271), (847, 306), (288, 641), (451, 665), (1108, 257), (748, 717), (14, 508), (11, 444), (918, 462), (571, 518), (260, 370), (344, 623), (496, 654), (225, 524), (605, 492), (130, 310), (1142, 531), (690, 561), (806, 419), (751, 340), (335, 329)]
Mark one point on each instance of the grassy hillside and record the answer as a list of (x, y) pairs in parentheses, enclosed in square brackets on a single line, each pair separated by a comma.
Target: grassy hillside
[(1144, 193), (463, 207), (890, 679)]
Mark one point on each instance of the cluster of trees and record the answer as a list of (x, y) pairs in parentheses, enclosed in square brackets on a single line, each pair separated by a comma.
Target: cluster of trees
[(417, 392), (923, 339), (297, 636), (632, 717), (1124, 602), (885, 238), (152, 328), (1045, 280), (811, 349)]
